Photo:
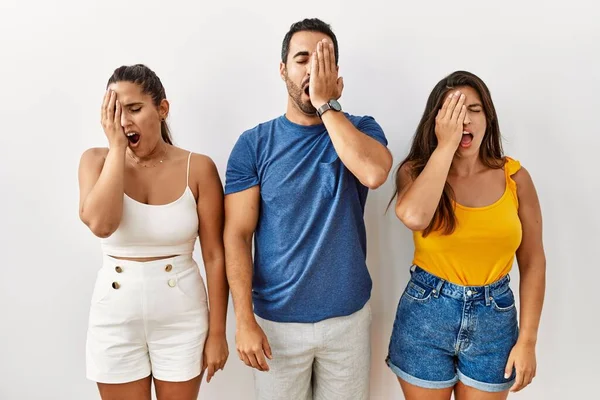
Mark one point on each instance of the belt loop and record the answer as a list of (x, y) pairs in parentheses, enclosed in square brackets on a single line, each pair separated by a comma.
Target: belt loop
[(487, 295), (438, 289), (412, 269)]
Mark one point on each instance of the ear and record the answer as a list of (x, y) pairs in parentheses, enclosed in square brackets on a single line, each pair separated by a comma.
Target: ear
[(282, 71), (163, 109)]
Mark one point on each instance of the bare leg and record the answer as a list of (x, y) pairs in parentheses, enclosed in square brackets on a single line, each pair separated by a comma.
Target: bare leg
[(178, 390), (412, 392), (136, 390), (463, 392)]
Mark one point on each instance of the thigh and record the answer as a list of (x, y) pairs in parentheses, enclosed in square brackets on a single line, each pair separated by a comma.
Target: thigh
[(422, 344), (289, 377), (177, 326), (412, 392), (116, 350), (342, 365), (187, 390), (463, 392), (137, 390), (481, 364)]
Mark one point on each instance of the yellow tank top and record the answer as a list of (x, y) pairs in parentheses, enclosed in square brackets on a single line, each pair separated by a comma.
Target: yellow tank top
[(482, 248)]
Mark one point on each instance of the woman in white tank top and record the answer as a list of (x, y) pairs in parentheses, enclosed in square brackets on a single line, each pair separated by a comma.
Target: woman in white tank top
[(149, 200)]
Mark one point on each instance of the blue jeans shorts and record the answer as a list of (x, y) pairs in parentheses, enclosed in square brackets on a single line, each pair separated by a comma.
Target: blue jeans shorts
[(445, 332)]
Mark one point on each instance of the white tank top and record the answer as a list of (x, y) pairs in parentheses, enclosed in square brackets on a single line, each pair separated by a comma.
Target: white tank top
[(155, 230)]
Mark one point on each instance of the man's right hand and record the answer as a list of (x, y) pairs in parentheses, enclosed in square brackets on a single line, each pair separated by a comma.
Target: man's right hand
[(253, 345)]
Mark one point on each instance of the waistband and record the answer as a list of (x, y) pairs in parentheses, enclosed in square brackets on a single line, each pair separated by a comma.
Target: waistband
[(147, 269), (459, 292)]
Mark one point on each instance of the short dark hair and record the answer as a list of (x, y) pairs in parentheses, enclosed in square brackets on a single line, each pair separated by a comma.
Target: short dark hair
[(308, 24)]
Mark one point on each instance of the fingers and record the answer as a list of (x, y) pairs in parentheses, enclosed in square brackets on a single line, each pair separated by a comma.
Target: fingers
[(211, 372), (326, 57), (320, 59), (314, 66), (105, 104), (333, 65), (446, 105), (267, 348), (462, 115), (508, 370), (110, 108), (519, 381), (117, 119), (458, 107), (262, 363), (244, 358)]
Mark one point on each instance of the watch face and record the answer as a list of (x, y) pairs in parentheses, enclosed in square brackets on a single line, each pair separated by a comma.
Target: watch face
[(335, 105)]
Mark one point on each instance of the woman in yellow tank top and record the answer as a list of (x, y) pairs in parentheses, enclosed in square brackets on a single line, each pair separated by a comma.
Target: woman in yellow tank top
[(473, 211)]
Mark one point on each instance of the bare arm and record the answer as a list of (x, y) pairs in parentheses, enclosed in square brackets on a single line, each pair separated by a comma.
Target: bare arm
[(210, 232), (241, 211), (417, 201), (101, 175), (242, 217), (532, 269), (365, 157), (101, 189)]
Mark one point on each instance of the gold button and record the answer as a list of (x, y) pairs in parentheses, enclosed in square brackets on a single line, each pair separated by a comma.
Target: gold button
[(168, 268), (118, 269), (172, 282), (116, 285)]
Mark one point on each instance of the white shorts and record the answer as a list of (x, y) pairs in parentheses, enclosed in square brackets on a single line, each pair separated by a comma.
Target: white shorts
[(147, 318)]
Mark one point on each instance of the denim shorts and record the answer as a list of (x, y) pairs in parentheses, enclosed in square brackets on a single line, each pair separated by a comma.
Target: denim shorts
[(445, 332)]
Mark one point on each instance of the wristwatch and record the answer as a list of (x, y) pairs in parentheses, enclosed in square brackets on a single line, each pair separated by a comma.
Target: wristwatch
[(330, 105)]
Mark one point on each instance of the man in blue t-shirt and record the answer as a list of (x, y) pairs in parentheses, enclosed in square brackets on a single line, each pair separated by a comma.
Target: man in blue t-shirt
[(299, 185)]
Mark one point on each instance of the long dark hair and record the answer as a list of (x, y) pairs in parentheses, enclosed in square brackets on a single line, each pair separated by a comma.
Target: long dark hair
[(150, 84), (425, 141)]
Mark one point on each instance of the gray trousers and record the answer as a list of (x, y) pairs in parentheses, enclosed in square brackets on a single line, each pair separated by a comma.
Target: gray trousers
[(327, 360)]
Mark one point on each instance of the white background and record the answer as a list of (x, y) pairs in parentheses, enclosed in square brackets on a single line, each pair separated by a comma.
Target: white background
[(219, 63)]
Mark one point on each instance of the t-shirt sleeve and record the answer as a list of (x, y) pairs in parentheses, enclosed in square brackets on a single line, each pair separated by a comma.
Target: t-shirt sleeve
[(242, 172), (369, 126)]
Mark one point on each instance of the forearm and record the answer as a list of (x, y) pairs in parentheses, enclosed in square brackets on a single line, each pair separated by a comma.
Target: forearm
[(532, 290), (103, 206), (417, 206), (238, 255), (218, 295), (364, 156)]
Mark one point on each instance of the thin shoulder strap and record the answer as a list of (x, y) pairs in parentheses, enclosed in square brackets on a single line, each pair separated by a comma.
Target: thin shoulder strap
[(188, 169)]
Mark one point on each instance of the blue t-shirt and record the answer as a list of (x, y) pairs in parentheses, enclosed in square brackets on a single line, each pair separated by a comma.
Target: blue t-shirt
[(310, 241)]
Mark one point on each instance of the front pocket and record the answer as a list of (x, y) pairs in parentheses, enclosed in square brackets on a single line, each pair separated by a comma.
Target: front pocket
[(504, 301), (103, 287), (417, 292), (333, 178), (191, 285)]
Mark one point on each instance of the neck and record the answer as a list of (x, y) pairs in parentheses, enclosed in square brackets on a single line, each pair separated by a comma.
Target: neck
[(466, 166), (158, 153), (297, 116)]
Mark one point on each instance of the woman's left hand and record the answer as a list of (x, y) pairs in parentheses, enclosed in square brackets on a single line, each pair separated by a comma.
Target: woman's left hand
[(215, 354), (522, 358)]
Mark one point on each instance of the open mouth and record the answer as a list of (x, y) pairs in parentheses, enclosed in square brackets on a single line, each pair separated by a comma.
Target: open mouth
[(307, 90), (133, 137), (466, 140)]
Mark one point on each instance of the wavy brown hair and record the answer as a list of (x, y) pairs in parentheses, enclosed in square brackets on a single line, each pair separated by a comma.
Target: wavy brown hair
[(425, 142)]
